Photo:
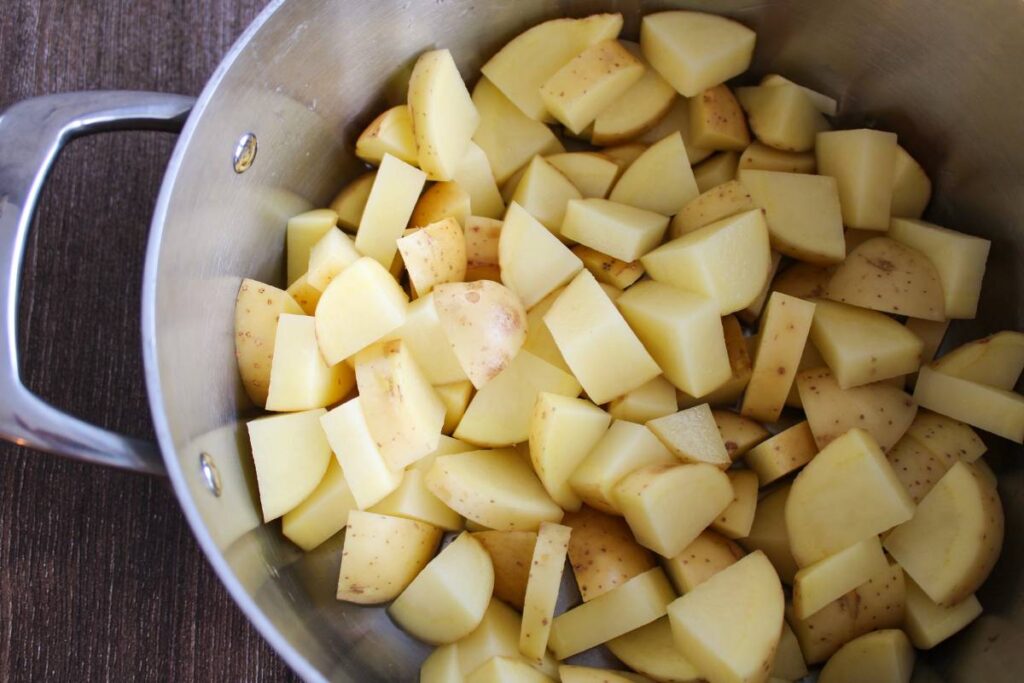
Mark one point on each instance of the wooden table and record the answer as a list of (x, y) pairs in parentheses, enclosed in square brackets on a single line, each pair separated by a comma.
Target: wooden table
[(100, 578)]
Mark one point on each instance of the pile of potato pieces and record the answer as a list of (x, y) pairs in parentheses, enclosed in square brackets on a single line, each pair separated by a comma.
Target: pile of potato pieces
[(722, 254)]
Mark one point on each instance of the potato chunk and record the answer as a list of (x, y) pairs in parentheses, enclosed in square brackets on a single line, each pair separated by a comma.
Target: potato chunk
[(637, 110), (332, 253), (302, 232), (323, 513), (789, 664), (425, 339), (544, 192), (390, 133), (299, 378), (695, 51), (947, 438), (828, 579), (721, 201), (928, 623), (676, 120), (917, 467), (692, 435), (707, 555), (863, 162), (446, 199), (497, 636), (563, 430), (395, 192), (542, 589), (736, 520), (533, 262), (823, 103), (718, 170), (619, 230), (739, 434), (348, 434), (846, 494), (996, 360), (717, 121), (593, 174), (602, 552), (759, 156), (434, 254), (651, 650), (729, 626), (258, 308), (667, 506), (911, 187), (475, 177), (786, 452), (443, 116), (882, 657), (993, 410), (770, 535), (739, 362), (660, 180), (290, 454), (506, 670), (511, 554), (782, 116), (351, 201)]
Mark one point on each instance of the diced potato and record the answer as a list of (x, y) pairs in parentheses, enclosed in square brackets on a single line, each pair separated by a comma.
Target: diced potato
[(585, 674), (382, 555), (782, 116), (647, 402), (660, 180), (349, 437), (753, 311), (444, 118), (626, 607), (651, 650), (258, 308), (485, 324), (497, 636), (497, 489), (996, 360), (826, 631), (455, 397), (608, 269), (950, 561), (624, 448), (667, 506), (717, 121), (425, 339), (544, 192), (593, 174), (508, 137), (789, 664), (302, 233), (441, 200), (880, 409), (810, 360), (739, 434), (784, 330), (394, 195), (506, 670), (759, 156), (563, 430), (442, 666), (305, 295), (862, 161), (993, 410), (604, 353), (846, 494), (694, 51), (351, 200), (482, 237), (928, 623), (475, 177), (880, 602), (823, 103), (947, 438), (413, 500), (802, 212), (542, 589), (707, 555), (739, 362), (434, 254), (729, 626), (538, 337), (770, 535), (333, 252), (692, 436), (291, 455), (803, 280), (624, 155), (526, 62), (917, 467), (736, 520), (511, 554), (786, 452), (911, 187), (390, 133), (718, 170), (589, 83), (299, 378), (533, 262), (447, 600), (959, 260), (882, 657), (721, 201), (602, 552), (323, 513), (619, 230), (818, 584), (676, 120), (863, 346), (637, 110)]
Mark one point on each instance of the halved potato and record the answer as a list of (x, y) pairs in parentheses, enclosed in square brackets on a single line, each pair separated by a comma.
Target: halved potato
[(786, 452), (542, 589), (302, 232), (717, 121), (413, 500), (759, 156), (993, 410), (692, 435), (444, 118), (769, 534), (660, 179), (823, 103), (719, 169), (882, 657), (544, 192), (862, 161), (818, 584), (446, 199), (928, 623), (619, 230), (721, 201), (593, 174), (299, 377), (911, 187), (394, 195), (533, 262), (290, 455), (511, 554), (258, 308), (563, 430), (651, 650), (475, 177), (323, 513), (637, 110), (739, 434), (602, 552), (390, 133), (782, 116), (348, 435), (351, 200)]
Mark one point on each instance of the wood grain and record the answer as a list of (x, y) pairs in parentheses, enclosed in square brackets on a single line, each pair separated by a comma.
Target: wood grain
[(100, 578)]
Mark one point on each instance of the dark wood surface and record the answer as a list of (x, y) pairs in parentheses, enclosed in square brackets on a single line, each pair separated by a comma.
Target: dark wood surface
[(100, 578)]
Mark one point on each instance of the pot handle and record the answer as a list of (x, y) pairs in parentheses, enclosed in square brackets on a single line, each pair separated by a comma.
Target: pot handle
[(32, 134)]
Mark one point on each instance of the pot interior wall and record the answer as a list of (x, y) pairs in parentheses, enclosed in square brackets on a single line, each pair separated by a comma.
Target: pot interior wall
[(946, 76)]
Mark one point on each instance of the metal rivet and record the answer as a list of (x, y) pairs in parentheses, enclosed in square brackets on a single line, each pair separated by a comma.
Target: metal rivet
[(245, 153), (210, 474)]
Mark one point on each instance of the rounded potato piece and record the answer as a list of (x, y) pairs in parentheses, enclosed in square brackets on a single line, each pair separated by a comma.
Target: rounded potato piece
[(996, 360), (497, 635), (511, 553), (659, 180), (257, 310), (434, 255), (602, 552), (782, 116), (714, 204), (709, 554), (291, 454), (651, 650), (485, 324), (769, 534), (351, 200), (390, 133), (382, 555), (880, 657), (443, 116), (911, 187), (447, 600), (928, 624), (717, 121), (440, 201), (638, 109)]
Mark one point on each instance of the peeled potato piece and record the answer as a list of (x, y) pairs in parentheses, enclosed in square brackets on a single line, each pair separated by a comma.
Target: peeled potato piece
[(739, 362), (544, 192), (692, 435), (928, 623), (413, 500), (651, 650), (299, 378), (881, 657), (675, 120), (737, 519), (332, 253), (257, 310), (475, 177), (789, 661), (593, 174), (323, 513), (770, 535), (533, 262), (619, 230), (497, 635), (563, 430), (351, 200), (443, 115), (719, 169), (828, 579), (721, 201), (993, 410), (911, 187), (862, 162), (348, 434), (393, 197), (446, 199), (290, 455), (390, 133), (660, 180), (302, 233), (782, 116), (823, 103)]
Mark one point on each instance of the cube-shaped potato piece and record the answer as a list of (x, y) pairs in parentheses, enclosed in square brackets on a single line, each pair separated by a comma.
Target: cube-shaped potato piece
[(739, 434), (425, 339), (958, 258), (395, 192), (928, 623), (602, 552), (647, 402), (736, 345), (846, 494), (533, 262), (721, 201), (717, 121), (563, 430), (667, 506), (728, 261), (323, 513), (638, 109), (949, 439), (359, 306), (299, 377), (692, 435), (694, 51), (950, 561), (443, 116), (619, 230), (539, 341), (707, 555), (651, 650), (787, 322), (717, 170), (332, 253), (729, 626), (996, 360), (351, 201), (511, 554), (737, 519), (759, 156), (988, 408), (446, 199), (911, 187), (603, 352), (624, 448), (542, 589), (625, 608), (382, 555), (884, 656), (434, 254), (348, 434), (257, 310), (592, 173), (543, 191), (660, 180), (476, 179), (609, 270), (390, 133), (290, 454), (786, 452), (862, 161), (769, 534), (863, 346), (676, 120), (302, 232), (829, 579), (782, 116), (803, 214)]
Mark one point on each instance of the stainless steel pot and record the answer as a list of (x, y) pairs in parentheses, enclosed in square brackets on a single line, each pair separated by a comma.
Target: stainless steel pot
[(272, 134)]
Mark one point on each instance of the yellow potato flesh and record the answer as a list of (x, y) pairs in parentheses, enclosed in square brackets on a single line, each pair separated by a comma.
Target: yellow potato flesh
[(636, 110), (759, 156), (789, 661), (443, 115), (442, 666), (474, 175), (305, 295), (675, 120), (496, 636), (770, 535), (823, 103), (718, 170), (992, 410), (390, 133), (660, 180), (511, 554), (257, 310), (911, 187), (820, 583), (692, 435), (290, 454), (619, 230), (542, 589), (351, 201), (348, 433), (782, 116), (786, 452), (717, 121), (862, 161), (602, 552), (544, 192), (655, 399), (707, 555), (651, 650), (917, 467), (739, 434), (302, 233), (928, 623), (331, 254), (441, 200), (593, 174), (947, 438), (563, 430), (299, 377), (506, 670), (539, 341), (721, 201), (394, 194), (882, 657), (322, 513), (736, 520), (533, 262), (996, 360), (455, 397), (609, 270)]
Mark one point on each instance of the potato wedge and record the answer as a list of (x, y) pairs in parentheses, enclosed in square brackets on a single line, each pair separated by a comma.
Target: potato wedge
[(602, 552), (918, 468), (333, 252), (434, 254), (563, 430), (299, 377), (544, 192), (533, 262), (302, 232), (863, 162), (883, 656), (675, 120), (382, 555), (789, 664), (721, 201), (609, 270), (441, 666), (447, 600), (996, 360), (394, 195), (390, 133), (651, 650), (993, 410), (707, 555), (446, 199), (423, 336), (660, 180), (736, 520), (695, 51), (729, 626), (323, 513), (845, 495), (506, 670), (928, 623), (818, 584), (497, 636), (911, 187), (511, 554), (782, 116), (475, 177), (305, 295), (823, 103), (667, 506), (348, 434), (947, 438), (290, 455), (786, 452), (444, 118), (717, 121), (455, 397), (739, 362), (717, 170), (619, 230), (759, 156), (350, 202), (692, 435), (770, 535), (739, 434), (542, 589), (593, 174), (258, 308), (638, 109)]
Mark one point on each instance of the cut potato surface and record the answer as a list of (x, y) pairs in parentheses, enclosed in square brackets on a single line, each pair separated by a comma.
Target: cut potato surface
[(917, 467), (299, 378), (563, 430), (992, 410), (351, 201), (544, 192), (818, 584), (996, 360), (619, 230), (769, 534), (257, 310), (302, 232), (533, 262), (390, 133), (949, 439), (586, 674), (475, 177), (446, 199), (676, 120), (332, 253), (394, 195), (609, 270), (421, 333), (497, 636), (291, 456), (651, 650), (506, 670), (911, 187), (789, 661), (721, 201), (717, 121), (759, 156), (692, 435), (739, 434), (863, 162), (602, 552), (305, 295), (823, 103), (442, 666), (736, 520), (443, 115), (593, 174), (455, 397), (718, 170), (511, 555), (323, 513), (753, 311), (542, 589), (786, 452), (707, 555), (928, 623), (348, 434), (883, 656), (660, 180), (739, 362), (782, 116), (637, 110)]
